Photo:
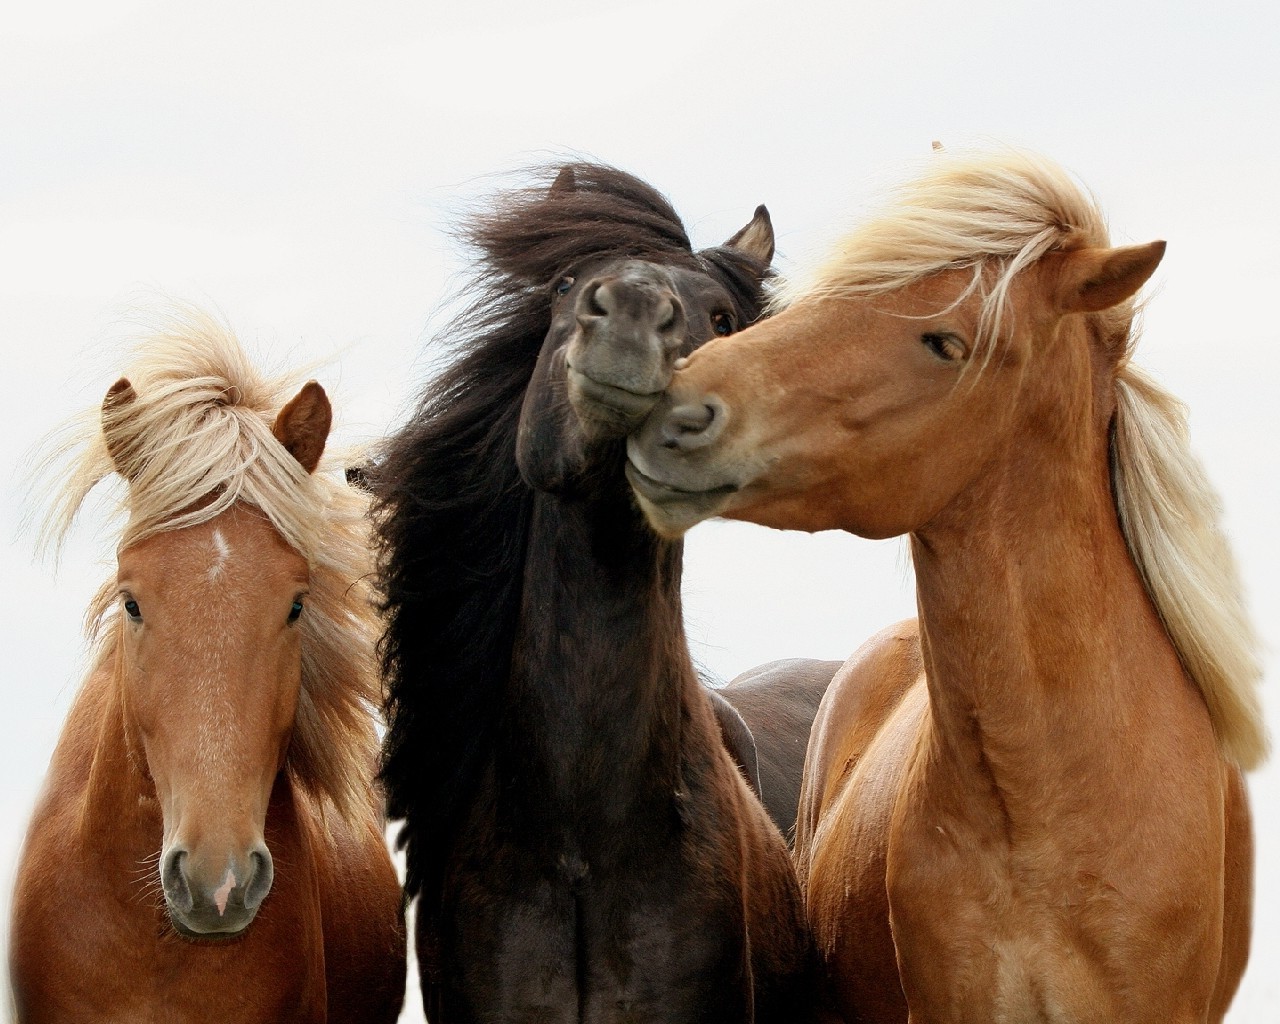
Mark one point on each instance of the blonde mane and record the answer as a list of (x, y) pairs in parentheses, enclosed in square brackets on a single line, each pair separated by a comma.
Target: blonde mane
[(198, 439), (998, 213)]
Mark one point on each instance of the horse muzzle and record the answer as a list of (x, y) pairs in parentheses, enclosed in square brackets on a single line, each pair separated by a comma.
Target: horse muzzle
[(215, 904)]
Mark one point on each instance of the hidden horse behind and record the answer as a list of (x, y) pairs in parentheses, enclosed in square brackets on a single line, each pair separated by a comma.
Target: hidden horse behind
[(208, 845), (579, 842)]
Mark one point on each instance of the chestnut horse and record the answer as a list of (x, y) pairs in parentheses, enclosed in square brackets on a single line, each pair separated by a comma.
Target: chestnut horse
[(580, 844), (1029, 805), (209, 844)]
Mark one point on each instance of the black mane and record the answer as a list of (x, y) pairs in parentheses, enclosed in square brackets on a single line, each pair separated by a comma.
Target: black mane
[(452, 510)]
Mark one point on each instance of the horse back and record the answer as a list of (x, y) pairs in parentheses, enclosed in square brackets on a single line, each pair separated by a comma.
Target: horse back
[(778, 702)]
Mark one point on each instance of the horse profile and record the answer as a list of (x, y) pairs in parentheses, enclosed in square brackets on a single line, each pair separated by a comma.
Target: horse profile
[(580, 844), (209, 845), (1029, 803)]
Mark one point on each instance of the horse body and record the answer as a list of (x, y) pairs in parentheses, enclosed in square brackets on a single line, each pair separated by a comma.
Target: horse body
[(595, 855), (223, 729), (1029, 805), (777, 702)]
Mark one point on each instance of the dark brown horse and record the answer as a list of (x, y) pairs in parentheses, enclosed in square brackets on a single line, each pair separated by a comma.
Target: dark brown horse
[(580, 843), (776, 704)]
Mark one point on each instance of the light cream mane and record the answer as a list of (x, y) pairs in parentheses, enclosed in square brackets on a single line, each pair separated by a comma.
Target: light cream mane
[(998, 213), (200, 429)]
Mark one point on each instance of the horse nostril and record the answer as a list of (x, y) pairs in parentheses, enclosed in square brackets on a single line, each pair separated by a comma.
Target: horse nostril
[(596, 300), (173, 879), (665, 314), (693, 424), (261, 874)]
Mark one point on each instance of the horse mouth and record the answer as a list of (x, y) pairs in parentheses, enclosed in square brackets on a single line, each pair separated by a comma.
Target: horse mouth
[(212, 937), (632, 404), (658, 493)]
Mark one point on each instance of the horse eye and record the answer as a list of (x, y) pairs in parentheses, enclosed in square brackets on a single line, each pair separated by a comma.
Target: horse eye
[(946, 347), (563, 285), (295, 611), (722, 324), (131, 609)]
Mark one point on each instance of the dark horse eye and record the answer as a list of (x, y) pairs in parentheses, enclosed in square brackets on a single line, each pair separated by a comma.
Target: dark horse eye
[(563, 285), (295, 611), (131, 609), (722, 324)]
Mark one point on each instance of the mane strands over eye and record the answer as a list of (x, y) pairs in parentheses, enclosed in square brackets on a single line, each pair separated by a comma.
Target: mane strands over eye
[(994, 213)]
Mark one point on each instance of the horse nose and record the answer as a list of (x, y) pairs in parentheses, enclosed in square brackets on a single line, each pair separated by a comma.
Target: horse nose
[(635, 303), (216, 904), (692, 425), (261, 875), (173, 879)]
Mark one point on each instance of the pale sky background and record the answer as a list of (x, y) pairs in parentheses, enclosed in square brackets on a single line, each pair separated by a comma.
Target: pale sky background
[(297, 166)]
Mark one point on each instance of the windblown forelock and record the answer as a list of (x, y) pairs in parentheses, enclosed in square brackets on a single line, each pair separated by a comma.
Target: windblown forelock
[(995, 213), (533, 235)]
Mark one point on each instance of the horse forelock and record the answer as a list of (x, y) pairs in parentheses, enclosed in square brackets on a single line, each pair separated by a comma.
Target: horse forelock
[(197, 439), (994, 213)]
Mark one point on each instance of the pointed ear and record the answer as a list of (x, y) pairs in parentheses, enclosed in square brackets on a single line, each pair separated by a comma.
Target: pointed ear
[(756, 239), (1089, 280), (303, 425), (114, 406), (565, 181)]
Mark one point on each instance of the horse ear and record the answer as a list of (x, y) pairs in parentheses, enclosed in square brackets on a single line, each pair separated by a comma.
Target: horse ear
[(756, 239), (566, 181), (117, 401), (1089, 280), (303, 425)]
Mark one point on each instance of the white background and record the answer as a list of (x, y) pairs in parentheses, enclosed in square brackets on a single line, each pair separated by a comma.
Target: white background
[(297, 166)]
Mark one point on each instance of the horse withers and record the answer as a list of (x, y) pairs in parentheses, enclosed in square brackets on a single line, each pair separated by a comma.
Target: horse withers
[(209, 843), (1029, 804)]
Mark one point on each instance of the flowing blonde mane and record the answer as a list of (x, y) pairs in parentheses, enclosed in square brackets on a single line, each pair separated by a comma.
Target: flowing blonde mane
[(198, 439), (998, 213)]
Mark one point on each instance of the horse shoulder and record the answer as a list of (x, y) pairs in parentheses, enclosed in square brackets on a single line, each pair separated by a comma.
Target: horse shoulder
[(864, 732), (857, 703)]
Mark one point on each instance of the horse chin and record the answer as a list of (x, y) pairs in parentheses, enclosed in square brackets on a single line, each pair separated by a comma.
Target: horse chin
[(227, 929), (608, 410), (672, 510)]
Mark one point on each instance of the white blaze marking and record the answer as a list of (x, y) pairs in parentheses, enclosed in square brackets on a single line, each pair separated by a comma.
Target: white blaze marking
[(221, 552), (224, 892)]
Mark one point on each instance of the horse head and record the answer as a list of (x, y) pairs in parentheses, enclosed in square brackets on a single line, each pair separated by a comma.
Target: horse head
[(619, 323), (209, 664)]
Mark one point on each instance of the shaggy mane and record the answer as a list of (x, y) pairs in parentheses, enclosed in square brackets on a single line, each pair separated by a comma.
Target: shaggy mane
[(451, 509), (200, 427), (998, 213)]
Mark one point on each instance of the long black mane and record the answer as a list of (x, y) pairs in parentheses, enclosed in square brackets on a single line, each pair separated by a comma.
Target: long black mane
[(452, 509)]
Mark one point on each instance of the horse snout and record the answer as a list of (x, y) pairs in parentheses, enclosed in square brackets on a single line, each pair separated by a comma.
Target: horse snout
[(693, 425), (215, 903)]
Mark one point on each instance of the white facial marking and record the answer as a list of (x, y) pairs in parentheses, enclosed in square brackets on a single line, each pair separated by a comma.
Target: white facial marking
[(221, 552), (223, 892)]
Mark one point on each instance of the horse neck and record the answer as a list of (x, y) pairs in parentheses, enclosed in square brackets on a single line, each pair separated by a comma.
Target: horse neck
[(119, 817), (1044, 656), (600, 668)]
